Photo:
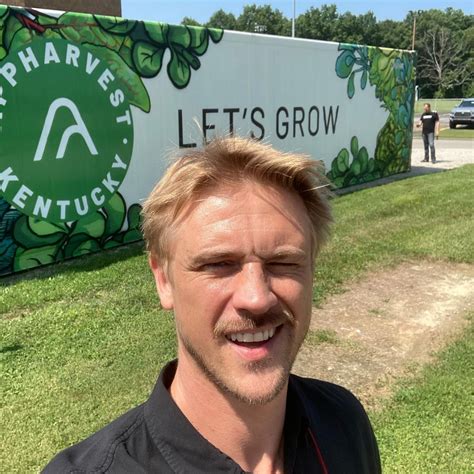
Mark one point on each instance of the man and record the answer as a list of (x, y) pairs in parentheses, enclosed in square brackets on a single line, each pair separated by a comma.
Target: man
[(429, 120), (232, 231)]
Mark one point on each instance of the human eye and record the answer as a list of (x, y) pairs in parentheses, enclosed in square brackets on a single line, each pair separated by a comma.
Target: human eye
[(219, 267), (283, 266)]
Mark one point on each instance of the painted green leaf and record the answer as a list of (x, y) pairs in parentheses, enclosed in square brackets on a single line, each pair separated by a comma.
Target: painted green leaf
[(120, 26), (42, 228), (192, 60), (356, 167), (42, 233), (115, 211), (342, 161), (51, 34), (84, 29), (363, 80), (199, 39), (134, 216), (45, 19), (371, 166), (347, 47), (34, 257), (93, 225), (125, 51), (112, 243), (383, 61), (354, 146), (7, 221), (130, 81), (351, 86), (363, 159), (403, 116), (157, 32), (338, 182), (7, 252), (86, 247), (80, 244), (3, 10), (216, 34), (344, 64), (147, 58), (132, 236), (399, 136), (179, 71), (11, 26), (21, 38), (3, 52), (179, 35)]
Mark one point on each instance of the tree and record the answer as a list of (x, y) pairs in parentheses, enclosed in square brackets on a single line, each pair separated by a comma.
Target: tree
[(263, 19), (393, 34), (221, 19), (190, 21), (357, 29), (318, 23), (442, 61)]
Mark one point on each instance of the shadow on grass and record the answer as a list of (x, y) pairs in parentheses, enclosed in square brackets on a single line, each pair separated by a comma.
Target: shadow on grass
[(413, 173), (85, 263)]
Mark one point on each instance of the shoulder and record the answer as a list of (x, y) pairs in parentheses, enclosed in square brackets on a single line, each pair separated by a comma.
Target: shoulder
[(326, 393), (96, 453), (340, 421)]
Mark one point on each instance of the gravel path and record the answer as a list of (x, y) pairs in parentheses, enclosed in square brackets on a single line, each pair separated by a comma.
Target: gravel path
[(449, 153)]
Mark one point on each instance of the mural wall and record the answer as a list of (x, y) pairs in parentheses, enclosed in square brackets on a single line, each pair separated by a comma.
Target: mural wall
[(91, 106)]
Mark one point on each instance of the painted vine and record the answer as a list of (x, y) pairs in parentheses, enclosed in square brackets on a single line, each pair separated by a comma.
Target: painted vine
[(392, 72)]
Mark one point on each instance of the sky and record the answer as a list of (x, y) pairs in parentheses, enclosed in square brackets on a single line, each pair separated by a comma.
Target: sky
[(173, 11)]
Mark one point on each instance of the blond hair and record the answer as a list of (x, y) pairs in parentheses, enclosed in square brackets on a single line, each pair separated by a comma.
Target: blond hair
[(232, 160)]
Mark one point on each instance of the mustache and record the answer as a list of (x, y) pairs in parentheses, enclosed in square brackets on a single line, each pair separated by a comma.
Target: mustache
[(249, 322)]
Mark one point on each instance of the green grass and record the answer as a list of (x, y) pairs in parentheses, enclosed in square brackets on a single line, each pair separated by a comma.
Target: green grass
[(428, 427), (321, 336), (442, 106), (83, 342), (408, 219), (463, 133)]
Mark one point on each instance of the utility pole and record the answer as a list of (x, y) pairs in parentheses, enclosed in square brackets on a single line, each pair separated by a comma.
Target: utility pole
[(293, 20), (414, 31)]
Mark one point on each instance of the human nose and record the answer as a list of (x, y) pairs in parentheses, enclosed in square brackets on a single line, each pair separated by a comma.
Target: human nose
[(252, 291)]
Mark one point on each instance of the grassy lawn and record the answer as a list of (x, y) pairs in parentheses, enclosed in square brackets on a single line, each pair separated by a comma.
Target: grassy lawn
[(83, 342), (442, 106), (460, 133), (429, 425)]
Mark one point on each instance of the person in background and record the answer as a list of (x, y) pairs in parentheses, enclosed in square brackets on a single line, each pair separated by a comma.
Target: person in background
[(429, 121), (232, 231)]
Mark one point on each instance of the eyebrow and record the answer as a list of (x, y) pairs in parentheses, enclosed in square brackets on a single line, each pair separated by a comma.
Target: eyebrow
[(279, 254)]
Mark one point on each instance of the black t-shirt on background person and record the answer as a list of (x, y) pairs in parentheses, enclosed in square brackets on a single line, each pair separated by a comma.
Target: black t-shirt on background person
[(429, 120)]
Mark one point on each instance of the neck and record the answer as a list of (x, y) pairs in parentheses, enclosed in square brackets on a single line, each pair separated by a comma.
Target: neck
[(252, 435)]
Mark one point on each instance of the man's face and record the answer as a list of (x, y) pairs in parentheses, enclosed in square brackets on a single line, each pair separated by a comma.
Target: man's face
[(426, 107), (240, 283)]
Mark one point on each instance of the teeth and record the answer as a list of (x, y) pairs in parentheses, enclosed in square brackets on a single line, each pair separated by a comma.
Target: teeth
[(252, 337)]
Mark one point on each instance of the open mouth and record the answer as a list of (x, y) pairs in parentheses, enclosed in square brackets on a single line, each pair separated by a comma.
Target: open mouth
[(250, 339)]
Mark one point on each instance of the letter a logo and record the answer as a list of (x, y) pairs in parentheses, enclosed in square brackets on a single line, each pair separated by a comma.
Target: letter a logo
[(80, 128)]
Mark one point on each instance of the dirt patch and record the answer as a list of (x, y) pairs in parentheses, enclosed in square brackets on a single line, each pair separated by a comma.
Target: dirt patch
[(387, 325)]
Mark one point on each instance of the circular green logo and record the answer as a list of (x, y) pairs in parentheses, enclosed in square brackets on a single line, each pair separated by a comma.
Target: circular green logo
[(66, 130)]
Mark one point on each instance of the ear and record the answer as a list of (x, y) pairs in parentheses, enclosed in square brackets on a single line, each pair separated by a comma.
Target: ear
[(163, 283)]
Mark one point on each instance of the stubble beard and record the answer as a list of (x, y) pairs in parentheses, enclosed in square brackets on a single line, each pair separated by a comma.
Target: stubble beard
[(216, 375)]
